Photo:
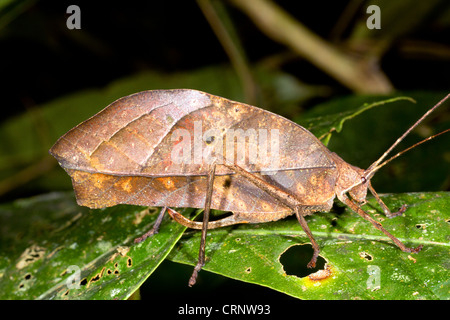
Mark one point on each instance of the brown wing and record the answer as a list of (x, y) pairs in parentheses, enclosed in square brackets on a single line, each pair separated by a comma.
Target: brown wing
[(126, 153)]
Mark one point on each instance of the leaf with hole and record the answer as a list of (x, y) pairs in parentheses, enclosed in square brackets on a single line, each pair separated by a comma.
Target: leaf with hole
[(361, 263)]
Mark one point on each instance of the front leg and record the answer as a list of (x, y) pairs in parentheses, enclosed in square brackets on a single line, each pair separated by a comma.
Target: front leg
[(386, 210), (376, 224)]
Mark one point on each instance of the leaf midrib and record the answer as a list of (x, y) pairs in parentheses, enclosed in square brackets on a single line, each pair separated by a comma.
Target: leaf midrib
[(330, 235)]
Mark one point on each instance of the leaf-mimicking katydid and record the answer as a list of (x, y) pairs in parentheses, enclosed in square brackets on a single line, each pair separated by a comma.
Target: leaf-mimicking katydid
[(186, 148)]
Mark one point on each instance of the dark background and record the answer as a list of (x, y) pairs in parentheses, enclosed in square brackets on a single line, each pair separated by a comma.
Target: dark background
[(41, 59)]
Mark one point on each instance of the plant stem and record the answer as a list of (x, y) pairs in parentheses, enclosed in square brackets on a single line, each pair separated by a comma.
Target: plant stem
[(361, 76)]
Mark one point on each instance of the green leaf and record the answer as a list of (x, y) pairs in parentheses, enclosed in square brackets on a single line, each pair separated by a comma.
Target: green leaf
[(46, 240), (324, 125), (363, 263)]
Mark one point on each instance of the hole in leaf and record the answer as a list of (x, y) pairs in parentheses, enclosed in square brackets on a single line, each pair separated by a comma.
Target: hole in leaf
[(366, 256), (334, 222), (338, 208), (95, 278), (295, 259), (83, 282)]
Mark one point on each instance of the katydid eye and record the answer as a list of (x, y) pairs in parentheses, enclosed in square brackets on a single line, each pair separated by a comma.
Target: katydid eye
[(363, 179)]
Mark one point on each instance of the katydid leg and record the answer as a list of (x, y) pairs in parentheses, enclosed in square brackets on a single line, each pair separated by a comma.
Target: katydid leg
[(201, 254), (154, 230), (301, 219)]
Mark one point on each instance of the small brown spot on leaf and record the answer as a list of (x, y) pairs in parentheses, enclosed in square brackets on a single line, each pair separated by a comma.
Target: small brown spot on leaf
[(300, 188), (123, 250), (321, 274), (125, 184), (30, 255), (227, 183)]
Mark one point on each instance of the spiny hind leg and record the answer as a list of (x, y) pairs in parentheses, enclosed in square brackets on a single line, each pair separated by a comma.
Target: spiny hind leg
[(178, 217), (235, 218)]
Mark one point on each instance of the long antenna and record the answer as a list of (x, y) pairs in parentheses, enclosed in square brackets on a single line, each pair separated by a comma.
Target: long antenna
[(409, 148), (375, 166)]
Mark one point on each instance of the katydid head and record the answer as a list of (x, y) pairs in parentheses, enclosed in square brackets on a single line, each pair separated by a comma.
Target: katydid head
[(351, 179), (359, 191)]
